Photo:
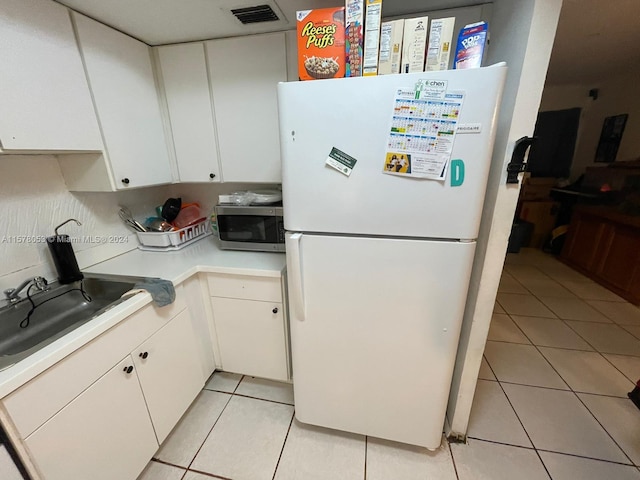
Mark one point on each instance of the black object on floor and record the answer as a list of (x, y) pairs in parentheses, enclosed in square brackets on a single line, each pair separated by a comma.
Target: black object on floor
[(520, 236), (634, 394)]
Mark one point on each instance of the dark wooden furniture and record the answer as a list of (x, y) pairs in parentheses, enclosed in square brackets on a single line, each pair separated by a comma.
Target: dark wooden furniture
[(604, 244)]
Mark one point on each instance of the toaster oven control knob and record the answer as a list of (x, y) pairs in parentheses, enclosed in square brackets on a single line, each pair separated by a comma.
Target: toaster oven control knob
[(275, 310), (125, 181), (212, 175)]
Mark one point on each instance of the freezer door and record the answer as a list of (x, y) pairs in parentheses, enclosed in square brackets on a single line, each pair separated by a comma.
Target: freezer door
[(374, 332), (354, 115)]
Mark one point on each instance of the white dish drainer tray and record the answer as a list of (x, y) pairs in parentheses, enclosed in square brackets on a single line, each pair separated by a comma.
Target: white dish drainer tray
[(170, 241)]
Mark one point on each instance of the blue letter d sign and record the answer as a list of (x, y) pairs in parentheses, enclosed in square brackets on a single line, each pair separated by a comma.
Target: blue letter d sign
[(457, 172)]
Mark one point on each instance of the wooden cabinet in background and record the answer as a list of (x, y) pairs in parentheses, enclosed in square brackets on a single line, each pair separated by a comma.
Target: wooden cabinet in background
[(621, 254), (584, 240), (605, 245)]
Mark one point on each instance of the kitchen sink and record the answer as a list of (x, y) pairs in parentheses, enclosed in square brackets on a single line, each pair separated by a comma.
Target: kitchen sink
[(59, 310)]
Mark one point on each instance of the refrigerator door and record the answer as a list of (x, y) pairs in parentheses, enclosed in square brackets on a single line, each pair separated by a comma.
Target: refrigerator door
[(354, 115), (374, 332)]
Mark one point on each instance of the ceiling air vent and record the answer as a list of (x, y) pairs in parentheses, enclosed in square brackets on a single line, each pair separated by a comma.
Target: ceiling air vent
[(260, 13)]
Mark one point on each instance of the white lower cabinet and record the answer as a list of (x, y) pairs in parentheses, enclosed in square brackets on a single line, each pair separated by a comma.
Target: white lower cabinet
[(251, 337), (249, 320), (169, 372), (85, 418), (104, 434)]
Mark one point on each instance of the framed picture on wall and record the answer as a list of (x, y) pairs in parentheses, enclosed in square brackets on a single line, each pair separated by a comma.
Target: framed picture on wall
[(612, 130)]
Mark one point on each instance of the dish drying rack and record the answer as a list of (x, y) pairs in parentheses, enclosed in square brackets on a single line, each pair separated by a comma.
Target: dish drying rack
[(176, 240)]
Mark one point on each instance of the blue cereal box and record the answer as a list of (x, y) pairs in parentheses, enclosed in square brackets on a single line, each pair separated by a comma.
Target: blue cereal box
[(470, 47)]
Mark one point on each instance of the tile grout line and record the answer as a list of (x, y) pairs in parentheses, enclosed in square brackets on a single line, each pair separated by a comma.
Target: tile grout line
[(630, 333), (570, 388), (601, 323), (211, 475), (595, 350), (589, 458), (605, 430), (286, 437), (366, 450), (545, 450), (453, 460), (521, 423), (523, 428), (211, 430)]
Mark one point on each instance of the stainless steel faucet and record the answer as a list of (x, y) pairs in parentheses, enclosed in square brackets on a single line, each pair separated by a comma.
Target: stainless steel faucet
[(13, 294)]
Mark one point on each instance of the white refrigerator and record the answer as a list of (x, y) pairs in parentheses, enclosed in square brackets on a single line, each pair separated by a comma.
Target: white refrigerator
[(379, 253)]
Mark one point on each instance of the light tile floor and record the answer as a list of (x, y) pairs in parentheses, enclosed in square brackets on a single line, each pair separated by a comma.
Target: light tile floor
[(551, 402)]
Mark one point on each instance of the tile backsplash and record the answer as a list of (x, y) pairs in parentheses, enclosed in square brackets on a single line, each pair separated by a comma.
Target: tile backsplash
[(34, 200)]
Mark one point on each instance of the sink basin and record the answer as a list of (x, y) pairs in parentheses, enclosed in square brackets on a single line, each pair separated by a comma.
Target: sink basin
[(60, 310)]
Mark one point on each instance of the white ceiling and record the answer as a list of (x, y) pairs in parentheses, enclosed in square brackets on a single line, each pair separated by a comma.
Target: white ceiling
[(596, 38)]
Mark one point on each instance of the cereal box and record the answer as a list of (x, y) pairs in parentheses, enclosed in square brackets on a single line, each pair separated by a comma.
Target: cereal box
[(321, 49), (373, 15), (414, 44), (439, 48), (354, 18), (470, 47), (390, 47)]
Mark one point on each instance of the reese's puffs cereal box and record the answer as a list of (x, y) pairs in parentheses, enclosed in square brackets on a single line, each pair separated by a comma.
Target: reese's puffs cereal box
[(321, 50)]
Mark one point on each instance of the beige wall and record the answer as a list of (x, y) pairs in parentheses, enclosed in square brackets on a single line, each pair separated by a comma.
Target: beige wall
[(616, 96), (35, 199)]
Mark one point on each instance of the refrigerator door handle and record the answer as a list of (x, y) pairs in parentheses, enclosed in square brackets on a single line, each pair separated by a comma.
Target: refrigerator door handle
[(294, 268)]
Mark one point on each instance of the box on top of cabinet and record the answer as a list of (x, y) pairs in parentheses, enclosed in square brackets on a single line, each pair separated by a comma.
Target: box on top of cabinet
[(321, 43), (439, 47), (354, 20), (471, 45), (414, 44), (390, 47), (373, 16)]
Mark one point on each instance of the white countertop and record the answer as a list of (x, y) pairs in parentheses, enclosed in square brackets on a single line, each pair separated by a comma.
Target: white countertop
[(177, 266), (202, 256)]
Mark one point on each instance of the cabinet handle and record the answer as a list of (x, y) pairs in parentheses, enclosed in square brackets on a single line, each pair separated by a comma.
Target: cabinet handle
[(212, 175), (128, 369), (275, 310), (144, 355), (125, 181)]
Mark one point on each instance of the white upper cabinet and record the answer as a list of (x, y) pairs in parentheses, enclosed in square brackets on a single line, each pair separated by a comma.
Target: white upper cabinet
[(44, 97), (123, 85), (185, 80), (244, 73)]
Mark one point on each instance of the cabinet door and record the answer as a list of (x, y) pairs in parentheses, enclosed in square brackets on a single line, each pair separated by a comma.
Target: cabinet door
[(244, 73), (619, 257), (44, 96), (123, 86), (251, 337), (186, 85), (104, 434), (169, 372), (584, 240)]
